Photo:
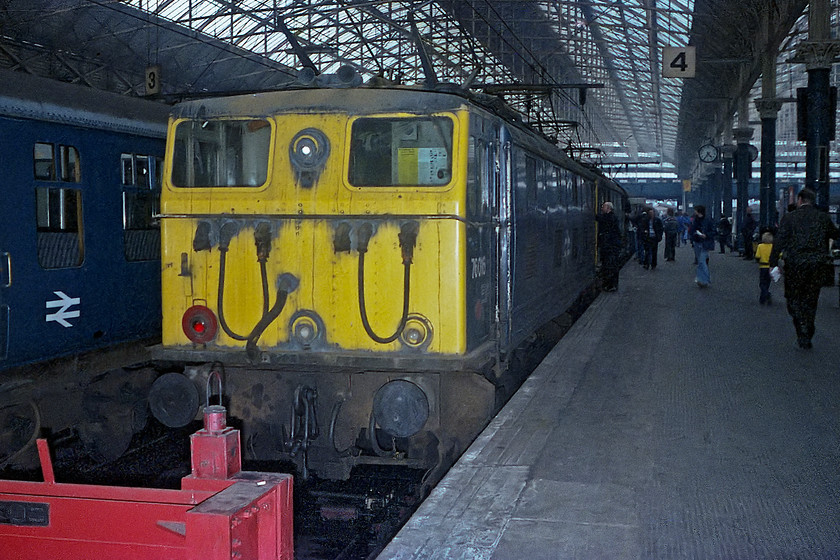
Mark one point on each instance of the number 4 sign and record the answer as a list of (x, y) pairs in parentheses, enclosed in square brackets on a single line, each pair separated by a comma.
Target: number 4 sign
[(678, 62)]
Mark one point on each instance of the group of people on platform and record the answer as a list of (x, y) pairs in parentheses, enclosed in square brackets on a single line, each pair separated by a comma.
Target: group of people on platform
[(801, 248)]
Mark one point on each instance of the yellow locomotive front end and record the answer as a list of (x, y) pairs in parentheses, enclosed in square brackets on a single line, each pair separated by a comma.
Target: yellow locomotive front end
[(314, 244)]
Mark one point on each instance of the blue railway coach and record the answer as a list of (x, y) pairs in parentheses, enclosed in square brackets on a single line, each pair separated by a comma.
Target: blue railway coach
[(79, 242)]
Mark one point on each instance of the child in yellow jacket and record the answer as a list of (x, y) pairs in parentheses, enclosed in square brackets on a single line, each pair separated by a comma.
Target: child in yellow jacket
[(762, 256)]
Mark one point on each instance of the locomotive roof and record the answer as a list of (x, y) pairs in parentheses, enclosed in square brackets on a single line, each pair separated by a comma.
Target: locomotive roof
[(359, 101), (31, 97)]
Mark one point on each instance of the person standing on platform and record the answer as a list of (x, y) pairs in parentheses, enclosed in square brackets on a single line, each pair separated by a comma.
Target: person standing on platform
[(684, 222), (670, 226), (747, 232), (724, 231), (803, 241), (609, 246), (652, 230), (762, 257), (702, 234)]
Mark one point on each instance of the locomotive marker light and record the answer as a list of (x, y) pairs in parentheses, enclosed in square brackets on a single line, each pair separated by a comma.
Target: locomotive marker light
[(200, 324)]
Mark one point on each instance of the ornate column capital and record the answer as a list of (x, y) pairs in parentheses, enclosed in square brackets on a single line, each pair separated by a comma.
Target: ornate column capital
[(742, 134), (768, 107), (816, 55)]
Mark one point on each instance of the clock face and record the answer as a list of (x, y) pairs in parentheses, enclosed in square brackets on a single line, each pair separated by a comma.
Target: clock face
[(708, 153)]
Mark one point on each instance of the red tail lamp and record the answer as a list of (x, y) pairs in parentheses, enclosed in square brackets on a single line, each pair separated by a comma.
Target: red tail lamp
[(200, 324)]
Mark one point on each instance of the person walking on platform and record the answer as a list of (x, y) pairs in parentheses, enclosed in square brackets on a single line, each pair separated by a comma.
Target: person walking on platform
[(762, 257), (747, 232), (609, 246), (702, 233), (670, 226), (636, 220), (651, 226), (724, 231), (803, 242)]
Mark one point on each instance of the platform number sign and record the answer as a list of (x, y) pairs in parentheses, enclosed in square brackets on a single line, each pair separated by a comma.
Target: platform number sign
[(152, 80), (678, 62)]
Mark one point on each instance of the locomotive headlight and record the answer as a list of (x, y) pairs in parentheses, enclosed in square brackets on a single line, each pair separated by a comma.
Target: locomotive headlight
[(401, 408), (199, 324), (309, 150), (417, 332)]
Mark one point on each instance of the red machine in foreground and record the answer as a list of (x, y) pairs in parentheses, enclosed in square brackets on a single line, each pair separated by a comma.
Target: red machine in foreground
[(221, 512)]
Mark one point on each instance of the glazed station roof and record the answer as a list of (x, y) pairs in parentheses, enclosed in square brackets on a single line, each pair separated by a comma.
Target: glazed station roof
[(586, 72)]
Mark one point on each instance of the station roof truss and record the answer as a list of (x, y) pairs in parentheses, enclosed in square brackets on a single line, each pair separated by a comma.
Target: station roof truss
[(587, 73)]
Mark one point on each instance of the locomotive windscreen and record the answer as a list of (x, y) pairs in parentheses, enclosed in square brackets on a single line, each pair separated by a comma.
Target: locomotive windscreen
[(401, 152), (221, 153)]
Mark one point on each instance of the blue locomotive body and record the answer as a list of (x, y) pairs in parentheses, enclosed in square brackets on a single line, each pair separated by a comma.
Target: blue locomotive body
[(79, 246)]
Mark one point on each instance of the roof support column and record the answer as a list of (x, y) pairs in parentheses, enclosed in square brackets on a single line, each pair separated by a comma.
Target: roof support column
[(768, 107), (726, 152), (743, 167), (818, 54)]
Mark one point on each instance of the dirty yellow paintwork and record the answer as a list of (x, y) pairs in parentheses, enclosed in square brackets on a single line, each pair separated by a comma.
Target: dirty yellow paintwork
[(303, 224)]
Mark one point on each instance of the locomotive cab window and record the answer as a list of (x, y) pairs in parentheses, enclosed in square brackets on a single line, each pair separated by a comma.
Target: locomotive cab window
[(409, 151), (221, 153)]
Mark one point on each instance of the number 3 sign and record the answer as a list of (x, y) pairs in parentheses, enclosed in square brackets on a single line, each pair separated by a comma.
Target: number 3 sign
[(678, 62)]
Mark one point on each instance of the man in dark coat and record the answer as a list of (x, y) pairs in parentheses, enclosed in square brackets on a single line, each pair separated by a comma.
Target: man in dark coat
[(609, 246), (651, 226), (803, 243)]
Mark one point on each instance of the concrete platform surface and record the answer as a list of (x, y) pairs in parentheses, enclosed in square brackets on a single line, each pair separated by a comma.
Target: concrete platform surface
[(670, 422)]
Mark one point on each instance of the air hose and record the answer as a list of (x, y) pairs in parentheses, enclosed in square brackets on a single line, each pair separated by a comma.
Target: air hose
[(408, 239), (262, 239), (286, 284), (228, 230)]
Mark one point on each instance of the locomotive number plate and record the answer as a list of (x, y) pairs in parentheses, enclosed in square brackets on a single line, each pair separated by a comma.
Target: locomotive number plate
[(25, 514)]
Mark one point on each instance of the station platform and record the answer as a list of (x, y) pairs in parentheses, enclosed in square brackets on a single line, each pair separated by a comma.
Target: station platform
[(670, 422)]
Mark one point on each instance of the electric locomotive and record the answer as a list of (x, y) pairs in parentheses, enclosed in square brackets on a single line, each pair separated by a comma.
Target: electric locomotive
[(361, 262)]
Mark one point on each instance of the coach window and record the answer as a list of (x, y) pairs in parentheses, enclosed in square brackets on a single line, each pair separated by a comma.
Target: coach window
[(141, 204), (44, 155), (411, 151), (221, 153), (70, 170), (58, 211), (59, 222)]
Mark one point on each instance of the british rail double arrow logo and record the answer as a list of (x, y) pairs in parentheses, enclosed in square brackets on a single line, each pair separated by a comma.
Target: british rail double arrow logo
[(65, 303)]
